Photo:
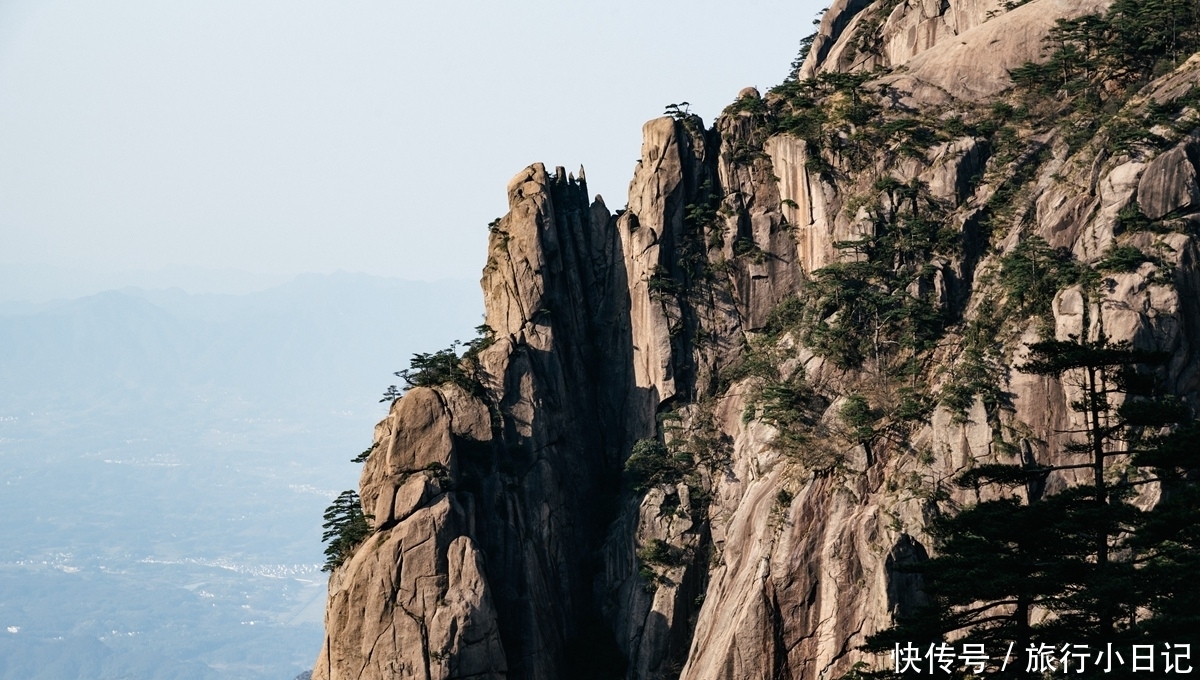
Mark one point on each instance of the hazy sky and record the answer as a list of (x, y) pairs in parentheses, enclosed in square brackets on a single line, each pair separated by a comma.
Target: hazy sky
[(288, 136)]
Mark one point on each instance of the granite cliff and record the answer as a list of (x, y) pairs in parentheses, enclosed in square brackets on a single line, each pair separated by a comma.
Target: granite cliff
[(658, 471)]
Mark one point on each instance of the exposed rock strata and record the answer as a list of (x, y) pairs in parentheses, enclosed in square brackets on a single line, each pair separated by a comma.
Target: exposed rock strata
[(506, 543)]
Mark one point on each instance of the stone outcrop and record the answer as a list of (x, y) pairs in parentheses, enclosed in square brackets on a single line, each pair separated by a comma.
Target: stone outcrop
[(413, 601), (938, 44), (510, 542)]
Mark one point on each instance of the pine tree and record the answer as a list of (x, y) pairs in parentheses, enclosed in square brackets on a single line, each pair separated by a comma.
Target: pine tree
[(1085, 565), (1168, 545), (345, 527)]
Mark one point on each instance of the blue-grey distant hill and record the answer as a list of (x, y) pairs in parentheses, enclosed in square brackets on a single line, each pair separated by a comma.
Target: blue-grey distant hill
[(320, 341), (165, 459)]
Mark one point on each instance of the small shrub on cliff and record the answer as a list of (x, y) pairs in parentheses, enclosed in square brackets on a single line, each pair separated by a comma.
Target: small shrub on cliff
[(980, 369), (915, 405), (878, 298), (1131, 219), (1122, 259), (648, 464), (783, 499), (656, 551), (1032, 273), (362, 457), (792, 407), (445, 366), (345, 527)]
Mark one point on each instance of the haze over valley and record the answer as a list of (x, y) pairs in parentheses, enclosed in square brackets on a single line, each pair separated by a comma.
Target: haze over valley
[(166, 460)]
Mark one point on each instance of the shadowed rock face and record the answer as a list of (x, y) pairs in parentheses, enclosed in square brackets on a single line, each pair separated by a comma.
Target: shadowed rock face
[(507, 542), (489, 508)]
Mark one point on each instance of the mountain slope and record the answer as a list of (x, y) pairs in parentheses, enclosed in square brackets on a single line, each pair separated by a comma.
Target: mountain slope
[(713, 428)]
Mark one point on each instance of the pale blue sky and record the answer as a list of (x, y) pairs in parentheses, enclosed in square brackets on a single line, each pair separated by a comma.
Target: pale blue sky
[(288, 136)]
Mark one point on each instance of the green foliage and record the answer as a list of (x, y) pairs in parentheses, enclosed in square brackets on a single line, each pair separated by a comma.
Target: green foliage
[(911, 136), (702, 214), (690, 276), (1105, 570), (439, 473), (1032, 273), (1005, 201), (748, 103), (1124, 258), (446, 366), (857, 415), (862, 307), (914, 406), (813, 109), (657, 552), (1127, 132), (1072, 62), (862, 671), (759, 357), (746, 247), (432, 369), (683, 115), (794, 409), (1144, 32), (979, 370), (362, 457), (1132, 41), (787, 314), (680, 111), (1057, 357), (345, 528), (1167, 113), (755, 362), (650, 463), (866, 34), (660, 283), (806, 44), (783, 498), (1131, 219)]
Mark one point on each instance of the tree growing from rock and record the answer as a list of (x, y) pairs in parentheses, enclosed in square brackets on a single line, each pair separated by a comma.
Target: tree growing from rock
[(1084, 565), (345, 527)]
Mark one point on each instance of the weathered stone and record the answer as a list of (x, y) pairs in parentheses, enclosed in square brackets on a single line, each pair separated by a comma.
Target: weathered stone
[(811, 205), (1169, 183), (954, 165), (1116, 190), (953, 69)]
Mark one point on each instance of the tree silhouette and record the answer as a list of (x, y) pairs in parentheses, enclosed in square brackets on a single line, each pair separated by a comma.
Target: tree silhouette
[(345, 527), (1084, 565)]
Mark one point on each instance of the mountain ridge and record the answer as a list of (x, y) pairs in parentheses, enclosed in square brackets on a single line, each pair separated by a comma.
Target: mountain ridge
[(710, 432)]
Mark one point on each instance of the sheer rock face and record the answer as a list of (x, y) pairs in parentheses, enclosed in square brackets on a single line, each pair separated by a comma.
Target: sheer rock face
[(904, 30), (1168, 184), (953, 69), (413, 600), (487, 517), (939, 43), (506, 543)]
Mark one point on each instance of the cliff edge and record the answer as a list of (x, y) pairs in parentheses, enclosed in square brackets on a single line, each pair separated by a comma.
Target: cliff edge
[(654, 469)]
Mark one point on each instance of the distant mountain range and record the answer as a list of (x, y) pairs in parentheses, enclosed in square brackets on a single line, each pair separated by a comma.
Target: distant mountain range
[(320, 341), (165, 459)]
